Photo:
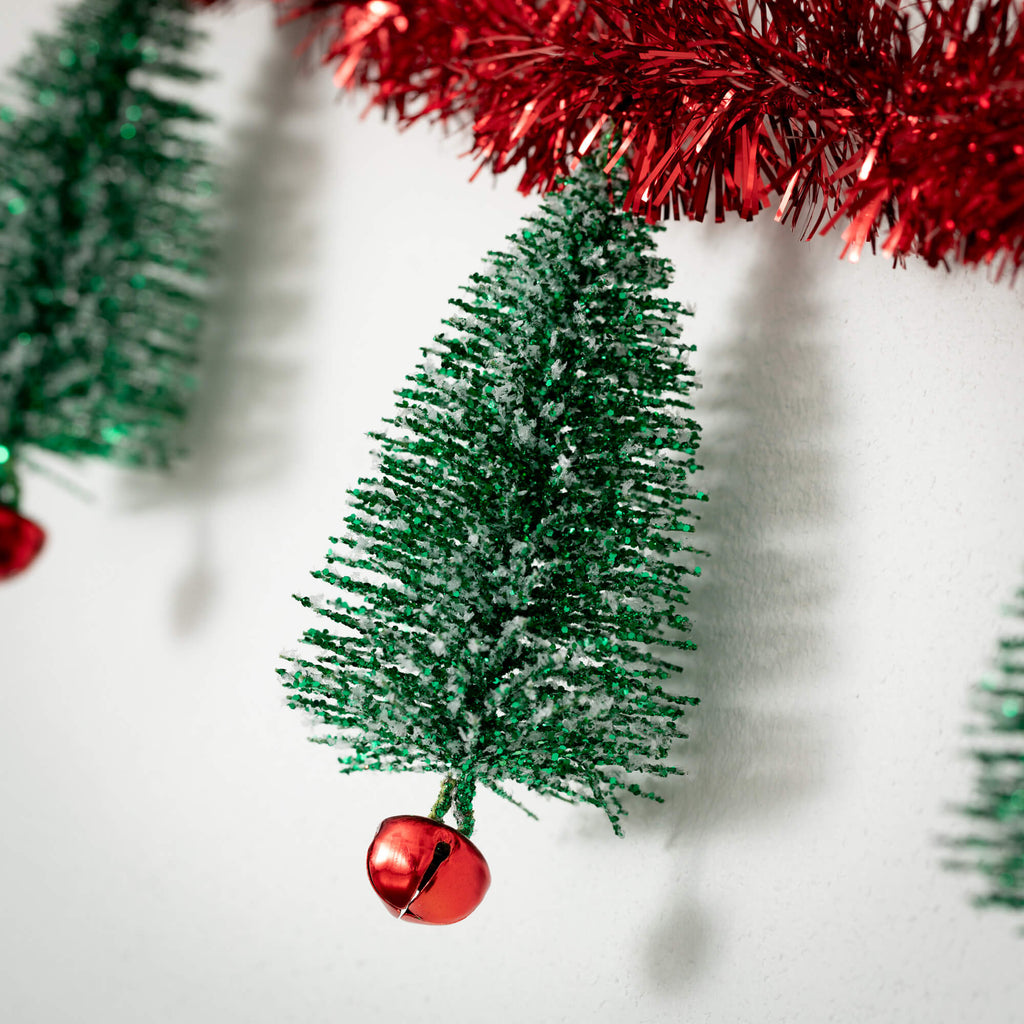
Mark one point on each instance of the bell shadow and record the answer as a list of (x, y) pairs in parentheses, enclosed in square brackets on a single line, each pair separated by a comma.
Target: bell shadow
[(238, 431), (761, 611)]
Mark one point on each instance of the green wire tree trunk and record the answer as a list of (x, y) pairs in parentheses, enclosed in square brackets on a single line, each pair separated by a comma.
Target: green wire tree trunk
[(511, 587), (101, 239)]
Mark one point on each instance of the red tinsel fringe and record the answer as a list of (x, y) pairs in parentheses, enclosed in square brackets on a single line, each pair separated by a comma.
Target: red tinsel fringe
[(908, 114)]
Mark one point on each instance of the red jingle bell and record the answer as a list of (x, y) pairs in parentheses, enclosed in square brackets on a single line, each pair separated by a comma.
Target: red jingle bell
[(425, 871), (20, 541)]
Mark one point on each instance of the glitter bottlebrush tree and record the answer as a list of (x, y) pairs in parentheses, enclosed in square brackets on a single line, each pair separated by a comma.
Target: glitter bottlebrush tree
[(510, 589), (101, 238), (995, 847)]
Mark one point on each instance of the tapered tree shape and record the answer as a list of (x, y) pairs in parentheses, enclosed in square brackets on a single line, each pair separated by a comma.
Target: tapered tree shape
[(100, 238), (995, 846), (514, 579)]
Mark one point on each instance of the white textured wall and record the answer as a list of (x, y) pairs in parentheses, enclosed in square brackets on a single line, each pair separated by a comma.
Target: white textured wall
[(173, 851)]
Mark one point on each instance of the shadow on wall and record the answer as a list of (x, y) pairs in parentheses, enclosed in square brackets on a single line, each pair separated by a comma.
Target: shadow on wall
[(238, 432), (761, 611)]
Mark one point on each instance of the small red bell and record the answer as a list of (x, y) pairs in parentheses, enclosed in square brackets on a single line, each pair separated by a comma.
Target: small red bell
[(425, 871), (20, 541)]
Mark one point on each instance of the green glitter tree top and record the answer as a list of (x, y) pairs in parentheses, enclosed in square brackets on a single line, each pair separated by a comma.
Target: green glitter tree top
[(510, 589), (995, 847)]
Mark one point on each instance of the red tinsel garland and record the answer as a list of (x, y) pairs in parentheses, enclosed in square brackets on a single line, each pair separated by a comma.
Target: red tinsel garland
[(907, 113)]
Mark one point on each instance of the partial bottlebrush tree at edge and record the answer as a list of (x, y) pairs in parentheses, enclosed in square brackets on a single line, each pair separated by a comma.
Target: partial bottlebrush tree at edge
[(509, 592), (102, 239), (994, 848)]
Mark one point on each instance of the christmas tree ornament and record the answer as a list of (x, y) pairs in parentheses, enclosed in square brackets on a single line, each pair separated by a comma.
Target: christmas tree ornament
[(20, 542), (425, 871), (509, 592), (994, 849), (905, 116), (20, 538), (102, 241)]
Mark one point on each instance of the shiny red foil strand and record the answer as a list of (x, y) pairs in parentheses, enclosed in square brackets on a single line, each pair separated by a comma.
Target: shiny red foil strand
[(908, 115)]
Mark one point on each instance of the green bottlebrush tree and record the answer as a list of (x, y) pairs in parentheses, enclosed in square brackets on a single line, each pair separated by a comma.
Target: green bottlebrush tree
[(995, 846), (101, 239), (510, 589)]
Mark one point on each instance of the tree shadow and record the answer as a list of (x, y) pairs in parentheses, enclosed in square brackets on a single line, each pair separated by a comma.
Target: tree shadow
[(761, 612), (238, 431)]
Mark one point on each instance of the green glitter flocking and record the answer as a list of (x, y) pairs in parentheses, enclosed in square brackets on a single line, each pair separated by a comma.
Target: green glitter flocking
[(994, 847), (512, 579), (85, 244)]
